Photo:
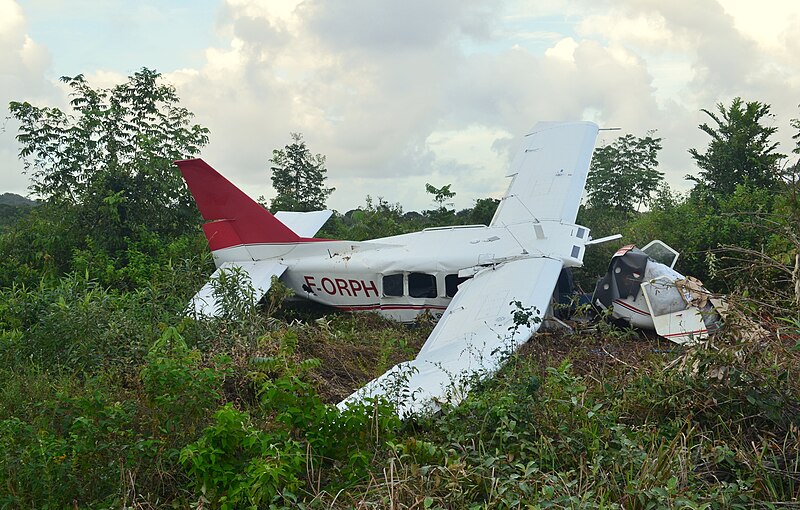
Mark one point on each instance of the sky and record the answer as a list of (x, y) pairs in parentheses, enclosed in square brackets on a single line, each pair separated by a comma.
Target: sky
[(400, 94)]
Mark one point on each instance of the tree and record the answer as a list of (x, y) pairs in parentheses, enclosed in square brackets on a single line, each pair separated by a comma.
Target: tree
[(298, 178), (740, 151), (112, 156), (440, 195), (792, 173), (484, 210), (104, 171), (441, 215), (792, 177), (623, 175), (377, 218), (796, 137)]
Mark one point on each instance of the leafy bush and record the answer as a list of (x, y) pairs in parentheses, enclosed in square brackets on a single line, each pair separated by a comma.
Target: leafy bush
[(236, 465), (179, 388)]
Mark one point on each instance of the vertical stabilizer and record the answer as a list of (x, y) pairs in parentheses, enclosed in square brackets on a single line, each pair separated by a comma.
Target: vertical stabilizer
[(233, 218)]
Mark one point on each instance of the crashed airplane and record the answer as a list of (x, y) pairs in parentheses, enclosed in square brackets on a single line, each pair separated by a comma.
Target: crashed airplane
[(642, 289), (468, 276)]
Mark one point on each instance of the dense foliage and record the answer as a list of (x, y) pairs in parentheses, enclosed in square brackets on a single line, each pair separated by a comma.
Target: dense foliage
[(623, 174), (12, 209), (298, 178), (112, 397), (106, 176), (740, 152)]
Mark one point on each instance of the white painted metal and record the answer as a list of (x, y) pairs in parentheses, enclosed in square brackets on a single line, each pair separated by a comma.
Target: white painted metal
[(635, 309), (549, 174), (472, 338), (304, 224), (673, 318), (605, 239), (660, 306)]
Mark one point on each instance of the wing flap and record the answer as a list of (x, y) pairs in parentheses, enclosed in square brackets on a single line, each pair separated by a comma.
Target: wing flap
[(205, 303), (472, 338)]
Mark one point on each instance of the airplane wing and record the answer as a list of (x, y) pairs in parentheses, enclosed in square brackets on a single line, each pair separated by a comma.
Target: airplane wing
[(549, 173), (205, 302), (472, 338)]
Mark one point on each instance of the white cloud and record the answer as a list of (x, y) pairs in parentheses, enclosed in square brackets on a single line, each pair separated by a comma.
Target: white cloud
[(23, 64), (397, 94), (22, 61), (769, 22), (563, 49), (372, 84)]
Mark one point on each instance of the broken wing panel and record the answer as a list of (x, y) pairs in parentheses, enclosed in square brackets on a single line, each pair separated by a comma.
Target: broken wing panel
[(304, 224), (672, 317), (472, 338), (549, 174), (205, 303)]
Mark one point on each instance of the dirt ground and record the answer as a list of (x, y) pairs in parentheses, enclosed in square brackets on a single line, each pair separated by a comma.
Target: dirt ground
[(592, 352)]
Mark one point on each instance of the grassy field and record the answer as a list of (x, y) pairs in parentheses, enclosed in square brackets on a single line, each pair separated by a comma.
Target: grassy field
[(112, 399)]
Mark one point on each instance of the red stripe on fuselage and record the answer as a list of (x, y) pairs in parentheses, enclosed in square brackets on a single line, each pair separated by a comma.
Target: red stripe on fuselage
[(366, 308), (688, 333), (630, 307)]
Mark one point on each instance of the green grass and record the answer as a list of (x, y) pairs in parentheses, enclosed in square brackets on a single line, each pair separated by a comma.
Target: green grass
[(112, 399)]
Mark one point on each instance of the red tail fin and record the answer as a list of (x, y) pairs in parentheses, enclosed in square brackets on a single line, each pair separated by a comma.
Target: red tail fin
[(233, 217)]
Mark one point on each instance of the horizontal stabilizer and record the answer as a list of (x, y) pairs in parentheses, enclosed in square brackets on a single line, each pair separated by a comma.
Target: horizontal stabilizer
[(304, 224), (207, 304)]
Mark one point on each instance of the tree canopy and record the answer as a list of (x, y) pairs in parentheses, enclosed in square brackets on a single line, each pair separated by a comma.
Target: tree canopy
[(624, 175), (740, 151), (440, 195), (104, 171), (113, 153), (298, 178)]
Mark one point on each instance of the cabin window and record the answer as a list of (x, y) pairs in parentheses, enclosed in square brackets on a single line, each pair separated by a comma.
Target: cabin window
[(451, 283), (393, 285), (422, 285)]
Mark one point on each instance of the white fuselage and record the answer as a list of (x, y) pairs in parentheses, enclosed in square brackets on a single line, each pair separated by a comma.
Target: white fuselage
[(403, 276)]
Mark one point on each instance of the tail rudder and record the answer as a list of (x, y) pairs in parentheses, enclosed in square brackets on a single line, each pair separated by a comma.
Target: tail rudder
[(232, 217)]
